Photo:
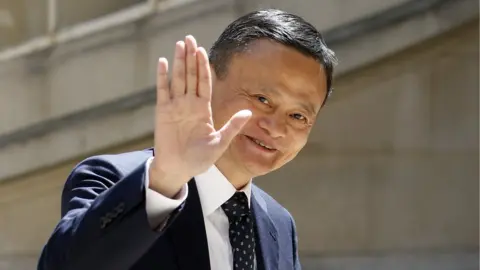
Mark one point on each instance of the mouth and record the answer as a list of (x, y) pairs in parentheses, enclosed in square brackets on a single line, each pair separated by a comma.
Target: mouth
[(261, 144)]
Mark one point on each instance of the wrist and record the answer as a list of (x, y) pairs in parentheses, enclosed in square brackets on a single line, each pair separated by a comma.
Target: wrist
[(167, 184)]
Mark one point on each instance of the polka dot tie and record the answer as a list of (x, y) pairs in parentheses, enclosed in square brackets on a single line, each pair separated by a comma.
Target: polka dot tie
[(240, 231)]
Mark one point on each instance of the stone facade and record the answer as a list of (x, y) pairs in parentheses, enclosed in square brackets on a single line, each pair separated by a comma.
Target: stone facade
[(389, 179)]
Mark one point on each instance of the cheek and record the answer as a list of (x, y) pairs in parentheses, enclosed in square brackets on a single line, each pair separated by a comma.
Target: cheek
[(234, 105), (224, 108), (298, 141), (291, 154)]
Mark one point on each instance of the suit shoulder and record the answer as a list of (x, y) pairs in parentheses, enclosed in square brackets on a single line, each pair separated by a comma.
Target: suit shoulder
[(122, 161), (115, 166), (274, 207)]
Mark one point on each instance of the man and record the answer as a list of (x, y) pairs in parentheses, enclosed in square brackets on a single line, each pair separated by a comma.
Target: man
[(189, 203)]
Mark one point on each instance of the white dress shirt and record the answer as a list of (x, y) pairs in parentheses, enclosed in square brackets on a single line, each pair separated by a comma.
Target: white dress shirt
[(213, 189)]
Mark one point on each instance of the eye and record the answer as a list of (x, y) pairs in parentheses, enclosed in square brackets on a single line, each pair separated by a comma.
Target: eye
[(299, 117), (263, 100)]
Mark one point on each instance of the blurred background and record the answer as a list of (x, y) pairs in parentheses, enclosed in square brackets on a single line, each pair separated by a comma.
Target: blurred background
[(388, 180)]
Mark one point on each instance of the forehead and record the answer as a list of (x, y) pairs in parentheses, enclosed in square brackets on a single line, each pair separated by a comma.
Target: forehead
[(273, 65)]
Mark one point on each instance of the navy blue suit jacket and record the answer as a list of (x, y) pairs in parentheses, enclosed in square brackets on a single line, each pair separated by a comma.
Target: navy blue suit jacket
[(104, 224)]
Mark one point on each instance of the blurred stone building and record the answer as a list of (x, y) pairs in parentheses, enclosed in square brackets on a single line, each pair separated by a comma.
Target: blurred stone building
[(389, 179)]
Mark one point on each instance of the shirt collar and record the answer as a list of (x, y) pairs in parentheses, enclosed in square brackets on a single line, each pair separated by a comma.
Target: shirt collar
[(214, 189)]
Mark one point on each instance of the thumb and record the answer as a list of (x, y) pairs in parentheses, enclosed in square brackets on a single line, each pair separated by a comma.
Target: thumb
[(233, 127)]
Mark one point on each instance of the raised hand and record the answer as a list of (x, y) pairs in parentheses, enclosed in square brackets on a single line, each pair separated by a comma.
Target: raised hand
[(186, 142)]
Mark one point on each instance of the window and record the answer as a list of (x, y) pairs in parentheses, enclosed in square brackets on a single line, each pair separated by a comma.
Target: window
[(24, 20), (72, 12), (21, 20)]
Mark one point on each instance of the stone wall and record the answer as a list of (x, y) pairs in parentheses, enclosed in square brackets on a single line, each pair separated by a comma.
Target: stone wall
[(389, 179), (71, 100)]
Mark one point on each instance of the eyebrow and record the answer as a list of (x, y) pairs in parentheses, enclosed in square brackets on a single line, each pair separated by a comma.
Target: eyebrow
[(309, 107)]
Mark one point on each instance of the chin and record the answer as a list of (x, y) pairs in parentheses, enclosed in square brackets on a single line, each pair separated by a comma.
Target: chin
[(256, 169), (255, 165)]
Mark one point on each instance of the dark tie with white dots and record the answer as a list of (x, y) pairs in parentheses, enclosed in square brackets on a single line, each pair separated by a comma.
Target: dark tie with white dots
[(240, 230)]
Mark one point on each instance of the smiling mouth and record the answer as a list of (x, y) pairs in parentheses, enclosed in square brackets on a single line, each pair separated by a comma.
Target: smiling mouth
[(260, 143)]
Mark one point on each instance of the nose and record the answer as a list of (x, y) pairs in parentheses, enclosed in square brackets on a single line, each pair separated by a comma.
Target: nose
[(274, 125)]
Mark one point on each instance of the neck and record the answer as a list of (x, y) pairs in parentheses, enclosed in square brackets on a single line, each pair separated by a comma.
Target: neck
[(237, 178)]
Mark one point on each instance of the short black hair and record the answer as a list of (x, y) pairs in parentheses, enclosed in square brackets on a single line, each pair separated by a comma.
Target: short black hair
[(279, 26)]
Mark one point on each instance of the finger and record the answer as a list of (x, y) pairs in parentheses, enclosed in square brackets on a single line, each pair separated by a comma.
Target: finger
[(178, 76), (191, 63), (163, 93), (233, 127), (204, 74)]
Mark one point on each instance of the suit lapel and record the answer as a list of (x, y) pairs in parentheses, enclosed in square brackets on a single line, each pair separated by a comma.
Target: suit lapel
[(188, 234), (266, 233)]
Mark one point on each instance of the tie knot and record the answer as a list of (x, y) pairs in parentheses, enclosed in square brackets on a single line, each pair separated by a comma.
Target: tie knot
[(236, 206)]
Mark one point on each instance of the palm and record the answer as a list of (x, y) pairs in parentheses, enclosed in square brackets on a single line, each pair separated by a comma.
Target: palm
[(185, 134), (186, 142)]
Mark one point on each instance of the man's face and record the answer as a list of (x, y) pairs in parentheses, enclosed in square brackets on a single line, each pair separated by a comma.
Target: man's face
[(283, 89)]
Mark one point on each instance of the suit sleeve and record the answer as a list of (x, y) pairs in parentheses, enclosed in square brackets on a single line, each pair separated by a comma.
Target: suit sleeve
[(296, 259), (104, 222), (159, 207)]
